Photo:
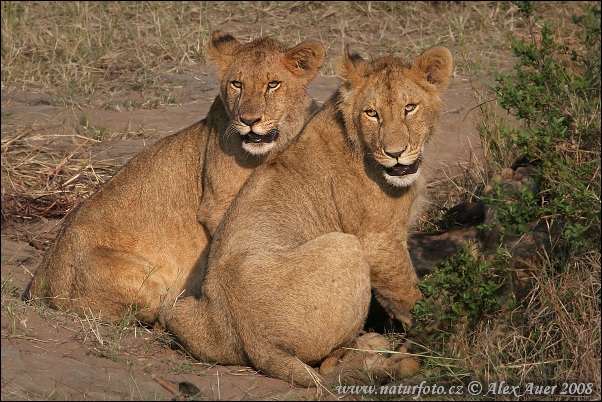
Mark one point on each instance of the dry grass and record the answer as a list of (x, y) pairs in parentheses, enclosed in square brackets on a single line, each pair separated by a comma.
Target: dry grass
[(95, 54), (82, 51), (38, 181)]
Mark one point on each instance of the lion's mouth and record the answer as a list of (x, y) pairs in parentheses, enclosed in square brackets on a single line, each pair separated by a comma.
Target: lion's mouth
[(254, 138), (402, 170)]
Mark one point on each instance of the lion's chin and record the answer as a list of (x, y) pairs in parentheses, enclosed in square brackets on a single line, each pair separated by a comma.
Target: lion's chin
[(402, 181), (258, 148)]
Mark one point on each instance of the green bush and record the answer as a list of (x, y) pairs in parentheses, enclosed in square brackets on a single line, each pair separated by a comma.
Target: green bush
[(464, 287), (554, 92)]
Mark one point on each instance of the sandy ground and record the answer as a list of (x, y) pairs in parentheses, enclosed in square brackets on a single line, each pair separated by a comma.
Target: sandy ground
[(50, 355)]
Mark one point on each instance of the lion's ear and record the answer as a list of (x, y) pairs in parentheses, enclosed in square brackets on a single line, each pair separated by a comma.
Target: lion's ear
[(351, 67), (437, 64), (306, 58), (221, 47)]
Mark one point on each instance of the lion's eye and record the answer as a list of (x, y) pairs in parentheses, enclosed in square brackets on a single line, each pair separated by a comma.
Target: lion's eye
[(371, 113), (273, 84), (410, 107), (236, 84)]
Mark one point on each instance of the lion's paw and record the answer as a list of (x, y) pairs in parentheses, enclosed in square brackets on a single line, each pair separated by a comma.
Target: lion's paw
[(372, 359)]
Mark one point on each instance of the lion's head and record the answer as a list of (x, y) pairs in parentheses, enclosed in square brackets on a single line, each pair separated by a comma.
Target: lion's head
[(391, 108), (263, 86)]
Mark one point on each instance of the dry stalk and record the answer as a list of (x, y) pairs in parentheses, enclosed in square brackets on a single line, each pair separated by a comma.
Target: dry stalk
[(40, 182)]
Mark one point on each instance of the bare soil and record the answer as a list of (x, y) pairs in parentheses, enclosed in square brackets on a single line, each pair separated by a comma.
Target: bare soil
[(53, 355)]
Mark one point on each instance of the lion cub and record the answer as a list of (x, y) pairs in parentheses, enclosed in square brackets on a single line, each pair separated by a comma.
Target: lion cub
[(292, 263), (137, 242)]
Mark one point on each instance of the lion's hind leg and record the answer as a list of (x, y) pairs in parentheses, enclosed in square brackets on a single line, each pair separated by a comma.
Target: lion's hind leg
[(305, 302), (114, 284), (202, 328), (282, 364)]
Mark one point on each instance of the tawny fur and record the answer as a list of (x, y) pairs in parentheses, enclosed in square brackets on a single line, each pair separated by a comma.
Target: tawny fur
[(368, 361), (292, 263), (137, 242)]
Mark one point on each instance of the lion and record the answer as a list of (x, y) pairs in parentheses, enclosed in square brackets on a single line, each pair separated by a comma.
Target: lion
[(292, 263), (141, 239)]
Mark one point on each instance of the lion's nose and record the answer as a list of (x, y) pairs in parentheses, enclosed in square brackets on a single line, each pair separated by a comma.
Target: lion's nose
[(394, 154), (249, 120)]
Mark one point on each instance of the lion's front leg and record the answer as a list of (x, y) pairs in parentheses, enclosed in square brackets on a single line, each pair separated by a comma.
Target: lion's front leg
[(213, 206), (210, 214), (392, 275), (218, 192)]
